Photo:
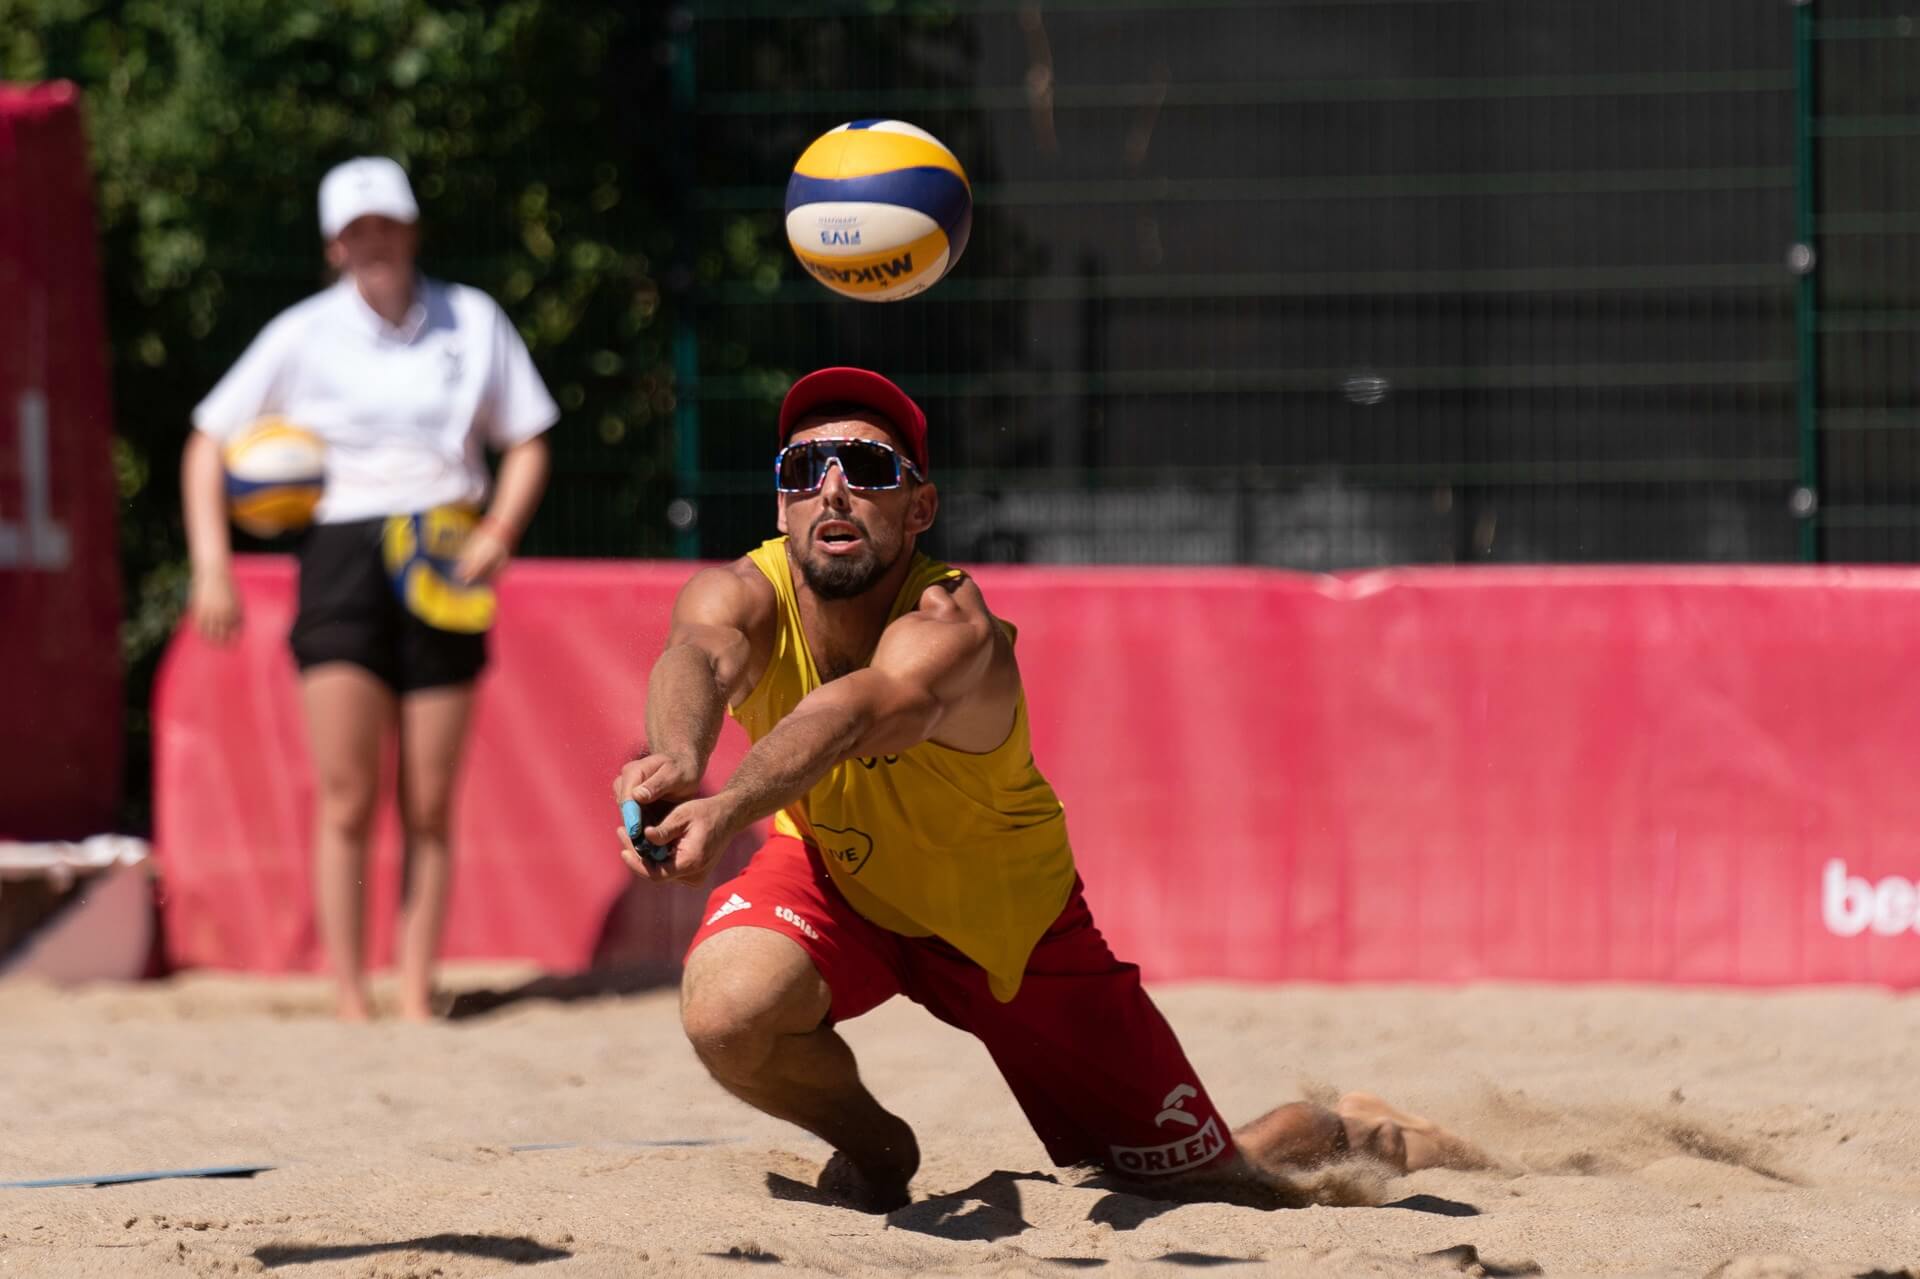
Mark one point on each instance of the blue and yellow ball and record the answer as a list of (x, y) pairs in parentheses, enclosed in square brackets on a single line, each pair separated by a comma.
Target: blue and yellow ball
[(276, 472), (422, 554), (878, 210)]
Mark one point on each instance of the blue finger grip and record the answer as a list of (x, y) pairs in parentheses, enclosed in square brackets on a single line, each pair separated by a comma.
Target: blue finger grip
[(636, 822)]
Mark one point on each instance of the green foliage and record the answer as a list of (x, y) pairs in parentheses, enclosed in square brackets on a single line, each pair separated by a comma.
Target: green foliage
[(531, 130)]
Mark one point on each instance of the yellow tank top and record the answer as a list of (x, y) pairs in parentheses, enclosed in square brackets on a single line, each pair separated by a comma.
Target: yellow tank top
[(933, 841)]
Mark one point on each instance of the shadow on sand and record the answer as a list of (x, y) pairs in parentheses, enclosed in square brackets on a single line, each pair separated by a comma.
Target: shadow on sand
[(515, 1249), (598, 983)]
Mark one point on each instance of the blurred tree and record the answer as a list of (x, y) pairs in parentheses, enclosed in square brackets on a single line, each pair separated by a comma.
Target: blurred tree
[(534, 133)]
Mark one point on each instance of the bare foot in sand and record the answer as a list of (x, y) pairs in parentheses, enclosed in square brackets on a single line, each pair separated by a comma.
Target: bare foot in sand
[(1404, 1140), (878, 1192), (417, 1008), (352, 1005)]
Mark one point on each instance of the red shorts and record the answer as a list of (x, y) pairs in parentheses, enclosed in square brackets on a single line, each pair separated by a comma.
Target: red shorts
[(1091, 1061)]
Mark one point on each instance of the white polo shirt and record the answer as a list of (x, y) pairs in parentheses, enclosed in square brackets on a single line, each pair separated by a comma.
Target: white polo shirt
[(406, 411)]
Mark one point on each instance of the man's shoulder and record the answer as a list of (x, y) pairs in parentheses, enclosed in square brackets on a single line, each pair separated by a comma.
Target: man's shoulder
[(734, 586), (928, 576), (942, 585), (745, 571), (957, 597)]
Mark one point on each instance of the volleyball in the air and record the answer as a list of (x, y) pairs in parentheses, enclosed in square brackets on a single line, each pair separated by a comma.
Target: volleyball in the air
[(275, 474), (878, 210)]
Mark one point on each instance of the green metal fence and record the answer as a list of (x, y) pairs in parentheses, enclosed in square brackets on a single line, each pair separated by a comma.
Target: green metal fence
[(1314, 283), (1860, 300), (1318, 283)]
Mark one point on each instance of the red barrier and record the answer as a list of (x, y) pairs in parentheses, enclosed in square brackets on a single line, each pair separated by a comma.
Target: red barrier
[(538, 872), (1554, 774), (60, 715)]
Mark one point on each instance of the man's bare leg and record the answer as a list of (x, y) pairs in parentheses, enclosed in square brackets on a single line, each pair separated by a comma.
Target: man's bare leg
[(1407, 1141), (1269, 1152), (755, 1008), (1302, 1135)]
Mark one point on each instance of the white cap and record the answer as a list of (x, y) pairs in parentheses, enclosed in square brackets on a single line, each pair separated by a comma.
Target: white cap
[(371, 184)]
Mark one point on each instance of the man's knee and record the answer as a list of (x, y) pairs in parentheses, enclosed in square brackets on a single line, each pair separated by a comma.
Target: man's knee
[(733, 1038), (743, 990)]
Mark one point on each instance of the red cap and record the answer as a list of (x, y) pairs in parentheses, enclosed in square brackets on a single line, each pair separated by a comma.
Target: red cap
[(867, 389)]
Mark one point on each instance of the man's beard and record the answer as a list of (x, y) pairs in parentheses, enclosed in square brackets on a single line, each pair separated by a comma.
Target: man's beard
[(841, 577)]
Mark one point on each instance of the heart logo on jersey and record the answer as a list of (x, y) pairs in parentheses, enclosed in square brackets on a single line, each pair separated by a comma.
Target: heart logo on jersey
[(848, 849)]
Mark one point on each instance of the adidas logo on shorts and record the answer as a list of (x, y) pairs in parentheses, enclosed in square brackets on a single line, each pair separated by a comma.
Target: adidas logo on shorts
[(734, 902)]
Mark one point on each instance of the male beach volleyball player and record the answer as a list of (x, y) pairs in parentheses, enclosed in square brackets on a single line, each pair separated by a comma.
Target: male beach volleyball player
[(917, 850)]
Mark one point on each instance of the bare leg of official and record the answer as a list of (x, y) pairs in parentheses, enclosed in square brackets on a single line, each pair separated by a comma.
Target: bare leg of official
[(433, 729), (755, 1010), (347, 712)]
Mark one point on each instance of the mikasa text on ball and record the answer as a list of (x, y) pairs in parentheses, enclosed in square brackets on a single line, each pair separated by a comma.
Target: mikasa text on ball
[(878, 210)]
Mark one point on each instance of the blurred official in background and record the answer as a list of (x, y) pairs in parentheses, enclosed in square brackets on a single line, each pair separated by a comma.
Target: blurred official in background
[(407, 380)]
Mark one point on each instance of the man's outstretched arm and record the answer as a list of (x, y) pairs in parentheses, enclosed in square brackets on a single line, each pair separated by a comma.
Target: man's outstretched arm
[(702, 671), (927, 663)]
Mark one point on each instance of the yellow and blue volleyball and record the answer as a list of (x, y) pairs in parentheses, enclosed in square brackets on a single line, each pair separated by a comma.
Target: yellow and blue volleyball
[(422, 554), (878, 210), (276, 472)]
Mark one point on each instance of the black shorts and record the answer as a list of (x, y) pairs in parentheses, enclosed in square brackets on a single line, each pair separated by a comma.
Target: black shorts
[(350, 613)]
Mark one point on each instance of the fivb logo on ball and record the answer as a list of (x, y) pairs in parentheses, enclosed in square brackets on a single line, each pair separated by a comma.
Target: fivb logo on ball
[(878, 210)]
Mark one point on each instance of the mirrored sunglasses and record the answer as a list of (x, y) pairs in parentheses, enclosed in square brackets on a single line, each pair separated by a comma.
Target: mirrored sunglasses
[(801, 467)]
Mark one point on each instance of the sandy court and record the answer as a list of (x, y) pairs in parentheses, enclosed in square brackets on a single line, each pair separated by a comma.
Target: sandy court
[(1650, 1132)]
